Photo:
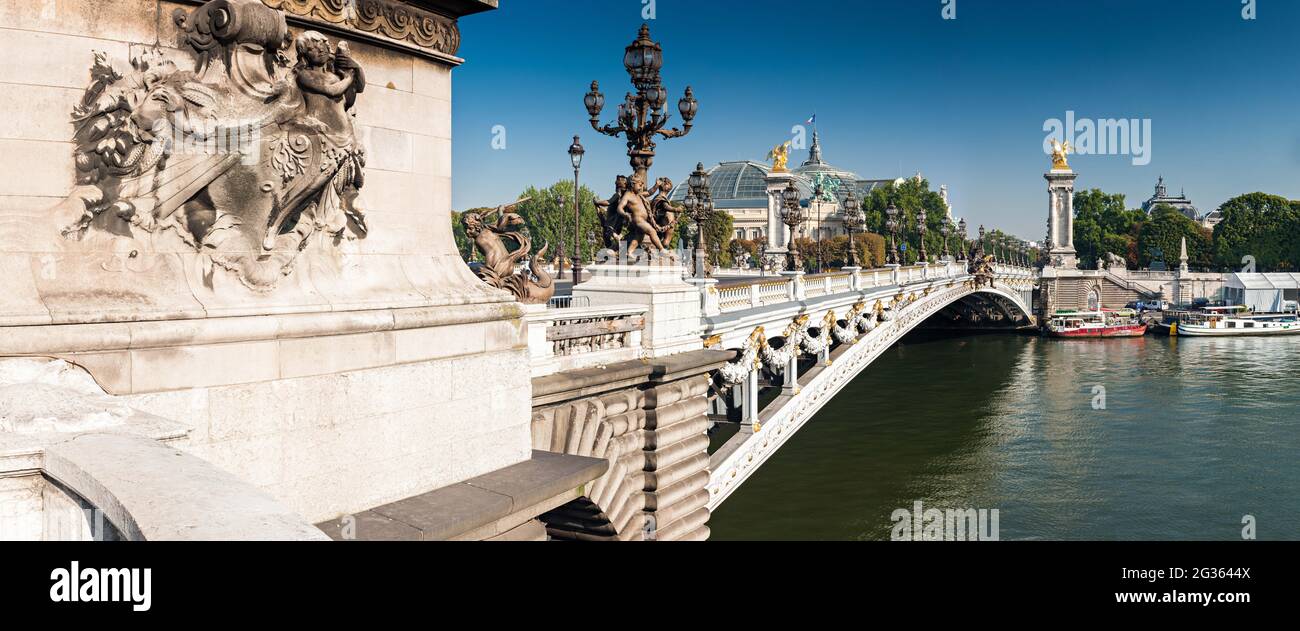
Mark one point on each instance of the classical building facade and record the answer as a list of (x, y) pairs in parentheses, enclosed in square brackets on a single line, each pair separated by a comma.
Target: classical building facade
[(741, 188), (1180, 203)]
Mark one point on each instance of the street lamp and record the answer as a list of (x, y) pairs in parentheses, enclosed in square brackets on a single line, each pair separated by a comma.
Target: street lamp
[(641, 116), (575, 156), (818, 192), (920, 230), (853, 221), (980, 250), (891, 224), (792, 215), (946, 231), (961, 238), (699, 206)]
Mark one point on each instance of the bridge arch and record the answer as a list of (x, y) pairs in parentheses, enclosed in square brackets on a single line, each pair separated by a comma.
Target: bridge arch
[(877, 324)]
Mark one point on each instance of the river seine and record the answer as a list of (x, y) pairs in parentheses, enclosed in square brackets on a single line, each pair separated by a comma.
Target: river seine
[(1127, 439)]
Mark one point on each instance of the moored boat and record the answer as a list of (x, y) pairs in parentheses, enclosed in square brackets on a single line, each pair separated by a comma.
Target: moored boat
[(1095, 324), (1230, 321)]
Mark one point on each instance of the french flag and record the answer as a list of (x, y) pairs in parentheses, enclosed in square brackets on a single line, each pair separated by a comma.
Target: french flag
[(811, 121)]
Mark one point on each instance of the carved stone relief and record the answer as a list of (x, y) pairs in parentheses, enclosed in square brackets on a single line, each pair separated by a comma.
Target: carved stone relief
[(250, 158)]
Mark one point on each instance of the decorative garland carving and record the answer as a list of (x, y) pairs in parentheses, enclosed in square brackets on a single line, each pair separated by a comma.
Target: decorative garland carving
[(388, 18)]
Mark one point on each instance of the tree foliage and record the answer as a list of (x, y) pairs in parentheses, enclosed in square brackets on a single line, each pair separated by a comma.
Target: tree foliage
[(550, 225), (1266, 227), (1102, 224), (1160, 239), (909, 197)]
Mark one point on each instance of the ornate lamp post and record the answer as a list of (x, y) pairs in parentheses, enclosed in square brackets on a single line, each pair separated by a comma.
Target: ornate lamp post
[(891, 224), (575, 156), (818, 192), (699, 206), (641, 116), (961, 238), (920, 230), (853, 222), (946, 231), (980, 250), (793, 216)]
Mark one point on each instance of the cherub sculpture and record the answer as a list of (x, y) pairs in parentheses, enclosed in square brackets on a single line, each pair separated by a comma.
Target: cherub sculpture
[(532, 285), (634, 208), (666, 213), (611, 223)]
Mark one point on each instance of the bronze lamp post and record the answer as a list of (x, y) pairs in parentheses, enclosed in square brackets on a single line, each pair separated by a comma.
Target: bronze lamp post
[(641, 116), (853, 222), (793, 216), (699, 206), (891, 224), (575, 157)]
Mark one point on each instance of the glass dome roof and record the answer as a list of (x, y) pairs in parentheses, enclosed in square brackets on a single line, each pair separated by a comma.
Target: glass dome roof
[(738, 184)]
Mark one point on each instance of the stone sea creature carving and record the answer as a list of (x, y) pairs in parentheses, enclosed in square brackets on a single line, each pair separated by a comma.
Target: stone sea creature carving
[(532, 285), (248, 158)]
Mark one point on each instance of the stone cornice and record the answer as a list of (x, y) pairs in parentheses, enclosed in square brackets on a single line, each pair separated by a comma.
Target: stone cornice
[(426, 28)]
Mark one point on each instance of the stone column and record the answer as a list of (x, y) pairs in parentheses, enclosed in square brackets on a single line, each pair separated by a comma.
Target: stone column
[(750, 409), (777, 233), (791, 375), (1060, 191)]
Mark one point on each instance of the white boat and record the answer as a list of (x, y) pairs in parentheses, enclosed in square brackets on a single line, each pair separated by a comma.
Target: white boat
[(1229, 321)]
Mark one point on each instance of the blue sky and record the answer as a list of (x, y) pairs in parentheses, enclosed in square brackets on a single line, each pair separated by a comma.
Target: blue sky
[(897, 89)]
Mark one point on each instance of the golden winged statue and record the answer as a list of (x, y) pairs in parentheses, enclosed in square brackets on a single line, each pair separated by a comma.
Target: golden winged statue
[(1059, 152), (779, 155)]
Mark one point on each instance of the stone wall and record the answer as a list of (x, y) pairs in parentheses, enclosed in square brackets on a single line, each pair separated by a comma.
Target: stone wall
[(374, 371), (650, 421)]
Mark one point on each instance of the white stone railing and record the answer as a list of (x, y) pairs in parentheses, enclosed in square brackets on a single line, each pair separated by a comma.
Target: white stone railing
[(794, 287), (583, 337)]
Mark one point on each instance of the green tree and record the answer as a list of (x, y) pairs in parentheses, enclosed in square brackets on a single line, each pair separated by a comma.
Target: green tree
[(1160, 239), (1103, 225), (549, 225), (909, 197), (719, 228), (1259, 225)]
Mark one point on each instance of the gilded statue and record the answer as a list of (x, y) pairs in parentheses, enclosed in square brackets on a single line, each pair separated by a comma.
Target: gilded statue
[(532, 285), (1059, 152), (780, 157)]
